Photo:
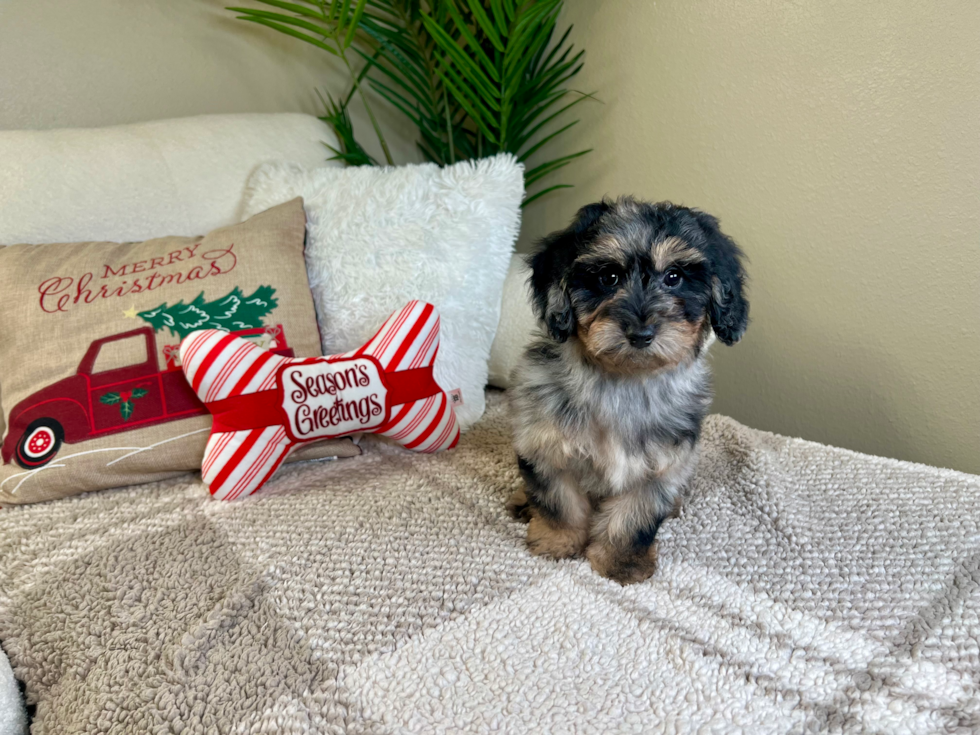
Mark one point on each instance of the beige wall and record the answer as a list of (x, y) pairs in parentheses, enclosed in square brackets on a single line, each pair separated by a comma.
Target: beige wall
[(839, 142), (104, 62)]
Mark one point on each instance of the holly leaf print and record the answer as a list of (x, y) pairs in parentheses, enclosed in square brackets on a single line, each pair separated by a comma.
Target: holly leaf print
[(126, 409), (138, 393), (230, 304), (110, 399)]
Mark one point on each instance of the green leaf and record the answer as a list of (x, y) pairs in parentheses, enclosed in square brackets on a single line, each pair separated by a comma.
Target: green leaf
[(474, 45), (486, 106), (530, 133), (530, 151), (352, 29), (478, 118), (293, 7), (289, 32), (138, 392), (476, 7), (499, 16), (351, 152), (351, 159), (283, 18), (409, 84), (535, 11), (557, 47), (126, 409), (541, 193), (397, 100), (546, 168), (525, 45), (110, 399), (370, 63), (551, 77), (529, 121), (470, 69)]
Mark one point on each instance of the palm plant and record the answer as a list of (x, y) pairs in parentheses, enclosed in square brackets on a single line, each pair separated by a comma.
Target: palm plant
[(476, 77)]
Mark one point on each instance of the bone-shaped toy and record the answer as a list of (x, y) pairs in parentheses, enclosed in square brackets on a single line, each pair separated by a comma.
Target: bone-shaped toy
[(264, 405)]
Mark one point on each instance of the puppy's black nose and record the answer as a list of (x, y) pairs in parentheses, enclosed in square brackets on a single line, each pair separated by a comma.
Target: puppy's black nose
[(642, 336)]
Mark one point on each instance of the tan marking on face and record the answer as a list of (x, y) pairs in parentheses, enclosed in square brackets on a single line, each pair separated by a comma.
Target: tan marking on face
[(601, 336), (676, 341), (586, 319), (673, 251), (605, 344), (605, 249)]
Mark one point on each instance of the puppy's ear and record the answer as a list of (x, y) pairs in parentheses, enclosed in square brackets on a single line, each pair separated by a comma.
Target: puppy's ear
[(551, 267), (729, 308)]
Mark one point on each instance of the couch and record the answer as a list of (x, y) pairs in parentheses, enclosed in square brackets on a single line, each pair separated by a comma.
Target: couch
[(802, 588)]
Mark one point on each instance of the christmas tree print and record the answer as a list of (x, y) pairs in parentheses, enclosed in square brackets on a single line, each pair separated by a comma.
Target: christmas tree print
[(228, 313), (124, 399)]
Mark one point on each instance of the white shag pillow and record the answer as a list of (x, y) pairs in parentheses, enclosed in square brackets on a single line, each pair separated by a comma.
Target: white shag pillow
[(379, 237)]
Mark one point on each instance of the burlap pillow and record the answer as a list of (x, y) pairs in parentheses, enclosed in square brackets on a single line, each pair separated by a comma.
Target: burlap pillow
[(92, 391)]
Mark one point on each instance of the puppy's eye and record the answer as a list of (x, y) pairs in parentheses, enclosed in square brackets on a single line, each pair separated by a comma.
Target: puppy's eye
[(672, 278), (609, 278)]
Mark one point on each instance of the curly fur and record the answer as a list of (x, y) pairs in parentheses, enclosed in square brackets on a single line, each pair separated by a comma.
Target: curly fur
[(608, 402)]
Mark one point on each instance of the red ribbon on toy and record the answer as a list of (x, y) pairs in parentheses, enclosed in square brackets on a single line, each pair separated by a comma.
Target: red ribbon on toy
[(258, 410)]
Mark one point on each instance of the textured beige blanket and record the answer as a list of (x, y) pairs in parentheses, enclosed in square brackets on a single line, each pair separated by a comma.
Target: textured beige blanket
[(802, 589)]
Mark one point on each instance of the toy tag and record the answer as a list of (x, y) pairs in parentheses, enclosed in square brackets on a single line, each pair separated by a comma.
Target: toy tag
[(455, 397), (329, 399)]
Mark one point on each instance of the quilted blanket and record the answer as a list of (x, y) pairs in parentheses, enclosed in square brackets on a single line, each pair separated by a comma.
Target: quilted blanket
[(803, 588)]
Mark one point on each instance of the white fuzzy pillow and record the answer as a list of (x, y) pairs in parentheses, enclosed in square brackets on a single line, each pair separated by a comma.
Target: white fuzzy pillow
[(379, 237)]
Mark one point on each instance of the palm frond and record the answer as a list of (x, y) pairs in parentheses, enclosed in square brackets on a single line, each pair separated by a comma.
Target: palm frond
[(337, 117), (285, 28), (473, 76), (499, 64)]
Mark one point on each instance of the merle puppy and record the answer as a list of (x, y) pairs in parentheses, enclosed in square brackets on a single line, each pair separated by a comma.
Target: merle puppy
[(608, 402)]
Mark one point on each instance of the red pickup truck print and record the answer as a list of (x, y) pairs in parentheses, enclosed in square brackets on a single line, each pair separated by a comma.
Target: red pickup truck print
[(104, 399)]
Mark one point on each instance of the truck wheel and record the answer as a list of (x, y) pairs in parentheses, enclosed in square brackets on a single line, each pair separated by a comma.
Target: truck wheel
[(39, 443)]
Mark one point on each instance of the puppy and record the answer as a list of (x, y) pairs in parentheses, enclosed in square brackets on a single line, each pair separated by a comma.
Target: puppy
[(607, 404)]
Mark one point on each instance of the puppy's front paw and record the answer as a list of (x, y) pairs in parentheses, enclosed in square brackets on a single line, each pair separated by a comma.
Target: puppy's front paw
[(555, 542), (518, 506), (625, 567)]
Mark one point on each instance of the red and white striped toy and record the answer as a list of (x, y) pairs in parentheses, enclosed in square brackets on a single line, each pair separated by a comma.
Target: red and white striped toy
[(265, 405)]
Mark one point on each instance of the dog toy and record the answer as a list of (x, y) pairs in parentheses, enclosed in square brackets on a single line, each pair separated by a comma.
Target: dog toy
[(264, 406)]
